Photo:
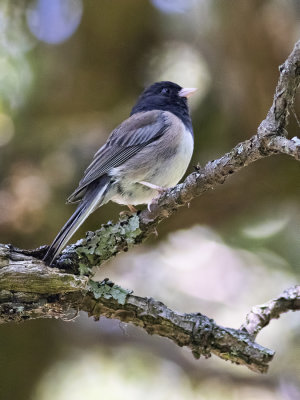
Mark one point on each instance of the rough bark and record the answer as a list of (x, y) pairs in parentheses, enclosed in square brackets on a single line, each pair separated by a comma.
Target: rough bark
[(30, 289)]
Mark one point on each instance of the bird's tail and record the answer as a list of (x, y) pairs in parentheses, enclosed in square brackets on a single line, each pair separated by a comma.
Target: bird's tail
[(92, 199)]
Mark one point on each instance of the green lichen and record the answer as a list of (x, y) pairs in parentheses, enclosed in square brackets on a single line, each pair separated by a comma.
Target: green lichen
[(84, 269), (106, 241), (132, 229), (108, 290)]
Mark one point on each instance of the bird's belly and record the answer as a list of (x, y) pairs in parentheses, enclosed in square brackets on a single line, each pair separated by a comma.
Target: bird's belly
[(172, 169), (137, 193), (165, 169)]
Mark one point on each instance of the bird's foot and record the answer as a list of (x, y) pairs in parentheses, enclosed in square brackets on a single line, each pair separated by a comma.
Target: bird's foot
[(155, 198)]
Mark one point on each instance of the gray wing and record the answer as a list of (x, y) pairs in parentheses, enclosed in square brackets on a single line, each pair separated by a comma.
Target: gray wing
[(124, 142)]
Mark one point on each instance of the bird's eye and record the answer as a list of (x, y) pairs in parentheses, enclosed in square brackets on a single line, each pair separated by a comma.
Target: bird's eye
[(165, 91)]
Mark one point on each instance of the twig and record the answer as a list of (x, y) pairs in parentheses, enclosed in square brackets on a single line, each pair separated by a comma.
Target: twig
[(260, 316)]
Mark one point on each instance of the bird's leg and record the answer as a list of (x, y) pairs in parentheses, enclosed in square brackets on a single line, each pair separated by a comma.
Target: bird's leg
[(132, 210), (155, 187), (152, 186)]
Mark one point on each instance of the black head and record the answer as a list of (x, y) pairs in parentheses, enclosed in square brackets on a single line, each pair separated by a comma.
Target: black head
[(166, 96)]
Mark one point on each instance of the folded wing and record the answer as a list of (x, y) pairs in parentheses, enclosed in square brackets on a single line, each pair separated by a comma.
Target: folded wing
[(124, 142)]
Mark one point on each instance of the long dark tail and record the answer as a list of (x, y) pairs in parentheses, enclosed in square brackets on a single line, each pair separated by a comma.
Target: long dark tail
[(92, 199)]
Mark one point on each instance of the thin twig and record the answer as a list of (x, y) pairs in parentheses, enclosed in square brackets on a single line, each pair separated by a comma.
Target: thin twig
[(260, 316)]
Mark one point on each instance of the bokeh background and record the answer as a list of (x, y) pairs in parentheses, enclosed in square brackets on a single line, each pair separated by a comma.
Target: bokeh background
[(70, 71)]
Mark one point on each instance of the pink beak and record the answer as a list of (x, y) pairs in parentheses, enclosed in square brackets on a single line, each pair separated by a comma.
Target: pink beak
[(187, 92)]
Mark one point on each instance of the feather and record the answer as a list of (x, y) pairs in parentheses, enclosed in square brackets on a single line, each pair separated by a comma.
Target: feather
[(93, 198), (125, 141)]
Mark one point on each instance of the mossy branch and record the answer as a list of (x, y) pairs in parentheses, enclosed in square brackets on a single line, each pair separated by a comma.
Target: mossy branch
[(29, 290)]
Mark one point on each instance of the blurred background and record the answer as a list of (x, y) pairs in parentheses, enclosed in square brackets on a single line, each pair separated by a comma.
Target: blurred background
[(70, 71)]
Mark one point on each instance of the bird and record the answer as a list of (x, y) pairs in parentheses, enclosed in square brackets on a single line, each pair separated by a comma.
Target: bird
[(146, 154)]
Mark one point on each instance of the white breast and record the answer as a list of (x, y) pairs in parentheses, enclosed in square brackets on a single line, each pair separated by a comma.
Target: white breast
[(176, 166)]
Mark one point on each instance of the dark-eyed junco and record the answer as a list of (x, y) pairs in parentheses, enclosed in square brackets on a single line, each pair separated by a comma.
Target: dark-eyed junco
[(150, 151)]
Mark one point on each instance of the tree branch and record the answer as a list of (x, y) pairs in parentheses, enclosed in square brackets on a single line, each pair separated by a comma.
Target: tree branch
[(260, 316), (30, 289)]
